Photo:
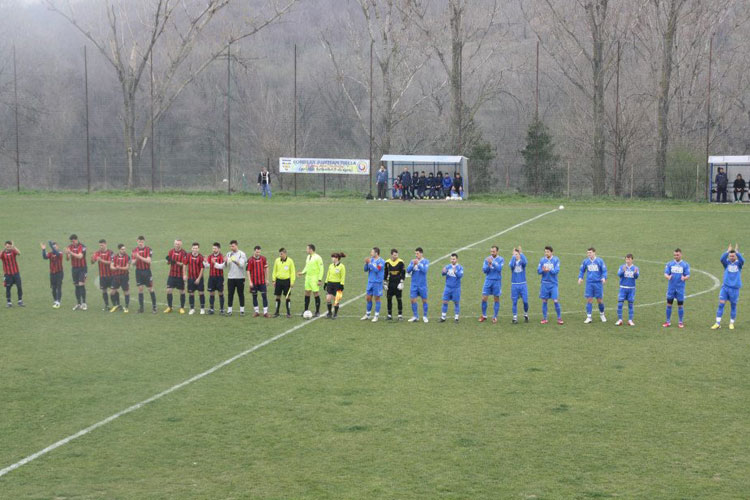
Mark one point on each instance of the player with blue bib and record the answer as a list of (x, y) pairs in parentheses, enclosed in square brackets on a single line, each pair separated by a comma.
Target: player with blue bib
[(418, 269), (732, 261), (677, 272), (596, 276), (452, 292), (548, 269), (518, 287), (492, 267), (375, 267), (628, 273)]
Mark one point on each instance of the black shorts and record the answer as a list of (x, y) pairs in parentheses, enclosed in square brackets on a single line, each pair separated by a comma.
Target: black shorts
[(121, 281), (259, 288), (215, 283), (143, 277), (192, 287), (175, 282), (55, 279), (79, 274), (393, 290), (282, 287), (332, 288), (105, 282), (12, 279)]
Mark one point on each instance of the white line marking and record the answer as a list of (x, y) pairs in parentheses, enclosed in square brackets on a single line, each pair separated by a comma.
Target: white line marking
[(229, 361)]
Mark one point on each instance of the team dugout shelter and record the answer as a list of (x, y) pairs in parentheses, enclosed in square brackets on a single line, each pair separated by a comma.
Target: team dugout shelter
[(394, 165), (732, 165)]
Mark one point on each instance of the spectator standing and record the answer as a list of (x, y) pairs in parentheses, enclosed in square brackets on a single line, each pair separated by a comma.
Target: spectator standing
[(721, 181), (264, 182), (382, 180), (739, 188)]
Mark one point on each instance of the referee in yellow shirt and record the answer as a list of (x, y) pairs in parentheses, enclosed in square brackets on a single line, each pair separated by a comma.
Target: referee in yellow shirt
[(282, 279), (313, 272), (335, 283)]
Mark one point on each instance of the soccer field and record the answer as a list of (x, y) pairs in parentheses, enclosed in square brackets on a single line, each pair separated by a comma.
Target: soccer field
[(348, 409)]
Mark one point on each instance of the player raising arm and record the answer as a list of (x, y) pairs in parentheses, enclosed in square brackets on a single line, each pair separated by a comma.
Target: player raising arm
[(55, 271), (732, 261), (76, 254)]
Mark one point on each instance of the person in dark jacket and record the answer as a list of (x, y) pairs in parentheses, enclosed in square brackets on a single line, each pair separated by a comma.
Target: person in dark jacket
[(439, 185), (264, 182), (739, 188), (458, 185), (382, 179), (430, 186), (405, 178), (721, 181), (421, 185)]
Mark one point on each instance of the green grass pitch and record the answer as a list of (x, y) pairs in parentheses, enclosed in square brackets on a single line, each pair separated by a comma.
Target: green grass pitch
[(348, 409)]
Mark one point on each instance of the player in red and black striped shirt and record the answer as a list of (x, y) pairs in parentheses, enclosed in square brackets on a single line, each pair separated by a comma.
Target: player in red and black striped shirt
[(120, 267), (76, 254), (12, 275), (215, 261), (104, 257), (195, 264), (142, 258), (176, 259), (55, 271), (257, 271)]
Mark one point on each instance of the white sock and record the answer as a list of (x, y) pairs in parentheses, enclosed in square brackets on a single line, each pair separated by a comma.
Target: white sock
[(718, 320), (265, 310), (229, 309), (242, 309)]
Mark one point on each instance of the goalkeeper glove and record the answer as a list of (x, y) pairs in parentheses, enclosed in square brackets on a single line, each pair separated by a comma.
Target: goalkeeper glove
[(400, 285)]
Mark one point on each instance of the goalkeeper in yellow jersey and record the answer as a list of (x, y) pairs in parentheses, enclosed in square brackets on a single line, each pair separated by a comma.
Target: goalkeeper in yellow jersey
[(335, 284), (313, 272)]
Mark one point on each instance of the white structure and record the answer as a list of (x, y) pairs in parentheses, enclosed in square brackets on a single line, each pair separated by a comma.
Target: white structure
[(732, 165), (394, 164)]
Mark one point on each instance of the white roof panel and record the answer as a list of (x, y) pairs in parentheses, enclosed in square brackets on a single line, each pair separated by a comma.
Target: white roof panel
[(422, 159), (731, 160)]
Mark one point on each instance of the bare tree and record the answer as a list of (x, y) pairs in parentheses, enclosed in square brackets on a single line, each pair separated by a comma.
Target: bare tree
[(127, 33)]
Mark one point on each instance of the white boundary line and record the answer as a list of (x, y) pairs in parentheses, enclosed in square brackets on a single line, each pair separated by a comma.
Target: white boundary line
[(224, 363)]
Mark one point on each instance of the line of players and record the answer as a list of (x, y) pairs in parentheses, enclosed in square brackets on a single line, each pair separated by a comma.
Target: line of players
[(389, 276)]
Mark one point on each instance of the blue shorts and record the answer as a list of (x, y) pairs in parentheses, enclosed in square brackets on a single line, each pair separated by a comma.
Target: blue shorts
[(374, 289), (418, 291), (626, 294), (731, 295), (452, 294), (594, 289), (548, 291), (678, 295), (492, 287), (519, 290)]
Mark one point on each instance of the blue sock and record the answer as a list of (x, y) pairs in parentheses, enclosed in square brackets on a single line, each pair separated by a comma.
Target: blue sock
[(515, 307), (720, 310), (525, 307), (414, 308), (680, 312), (484, 308), (424, 308), (558, 310), (601, 307), (497, 308), (588, 308), (631, 310), (369, 307), (544, 310), (445, 308), (619, 309), (457, 308), (669, 314), (377, 307), (733, 310)]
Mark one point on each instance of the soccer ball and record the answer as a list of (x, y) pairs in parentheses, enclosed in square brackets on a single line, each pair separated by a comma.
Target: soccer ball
[(561, 207), (307, 314)]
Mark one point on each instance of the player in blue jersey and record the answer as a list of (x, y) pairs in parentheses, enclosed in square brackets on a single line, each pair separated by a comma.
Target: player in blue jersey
[(677, 272), (418, 268), (628, 273), (549, 268), (375, 267), (493, 270), (596, 276), (732, 261), (518, 287), (452, 292)]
